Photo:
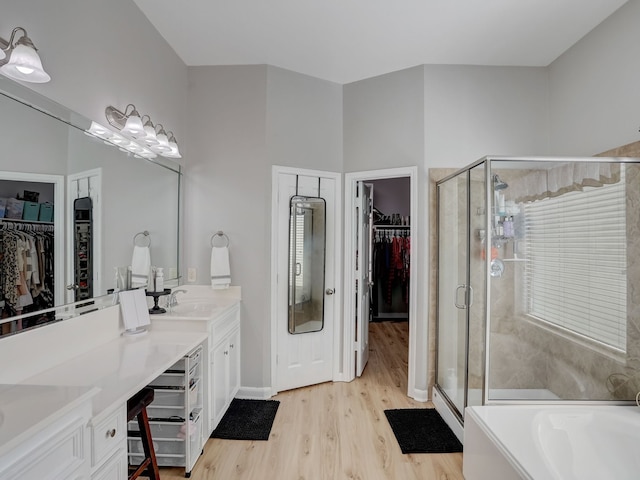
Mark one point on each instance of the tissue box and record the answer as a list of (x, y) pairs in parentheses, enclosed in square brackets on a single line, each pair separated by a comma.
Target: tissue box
[(31, 211), (46, 212), (14, 208)]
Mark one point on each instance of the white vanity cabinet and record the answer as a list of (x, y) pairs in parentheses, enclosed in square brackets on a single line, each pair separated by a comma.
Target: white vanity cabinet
[(225, 373), (54, 445), (222, 363)]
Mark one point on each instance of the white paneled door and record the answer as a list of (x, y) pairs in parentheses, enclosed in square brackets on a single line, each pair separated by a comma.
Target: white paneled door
[(363, 212), (305, 352)]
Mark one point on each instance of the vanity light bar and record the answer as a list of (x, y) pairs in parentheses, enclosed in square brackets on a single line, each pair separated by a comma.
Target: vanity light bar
[(134, 128), (113, 138)]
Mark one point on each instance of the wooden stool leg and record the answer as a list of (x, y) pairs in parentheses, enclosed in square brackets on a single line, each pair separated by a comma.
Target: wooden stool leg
[(147, 445)]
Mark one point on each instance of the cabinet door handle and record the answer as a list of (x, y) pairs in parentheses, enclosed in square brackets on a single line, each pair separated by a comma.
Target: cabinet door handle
[(231, 345), (111, 433), (226, 352)]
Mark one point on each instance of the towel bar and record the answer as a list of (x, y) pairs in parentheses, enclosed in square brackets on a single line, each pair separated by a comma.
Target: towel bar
[(220, 233), (144, 234)]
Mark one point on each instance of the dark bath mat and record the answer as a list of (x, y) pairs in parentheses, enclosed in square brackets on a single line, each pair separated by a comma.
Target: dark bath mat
[(422, 430), (247, 420)]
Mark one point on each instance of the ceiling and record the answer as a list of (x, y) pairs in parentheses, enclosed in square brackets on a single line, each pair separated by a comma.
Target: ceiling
[(348, 40)]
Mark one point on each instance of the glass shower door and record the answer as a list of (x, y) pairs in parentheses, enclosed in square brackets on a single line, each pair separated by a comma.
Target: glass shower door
[(454, 294)]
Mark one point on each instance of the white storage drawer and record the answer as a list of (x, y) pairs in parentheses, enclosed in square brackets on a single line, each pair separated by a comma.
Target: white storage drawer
[(169, 441), (181, 365), (161, 446), (108, 434), (171, 403), (176, 380)]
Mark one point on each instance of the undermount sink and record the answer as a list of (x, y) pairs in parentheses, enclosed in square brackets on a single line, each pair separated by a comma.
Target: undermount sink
[(193, 310)]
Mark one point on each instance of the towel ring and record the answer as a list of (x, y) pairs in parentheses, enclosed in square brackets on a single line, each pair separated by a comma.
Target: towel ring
[(220, 234), (144, 235)]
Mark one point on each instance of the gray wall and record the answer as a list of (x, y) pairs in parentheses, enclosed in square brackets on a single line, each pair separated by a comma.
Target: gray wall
[(594, 88), (243, 120), (102, 53), (471, 112), (384, 121), (392, 195)]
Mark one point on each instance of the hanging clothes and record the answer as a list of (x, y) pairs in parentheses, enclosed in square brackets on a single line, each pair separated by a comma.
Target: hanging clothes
[(391, 268), (26, 267)]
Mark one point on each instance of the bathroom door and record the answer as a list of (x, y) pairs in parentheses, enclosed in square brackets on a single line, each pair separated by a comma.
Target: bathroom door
[(363, 213), (454, 294), (305, 246)]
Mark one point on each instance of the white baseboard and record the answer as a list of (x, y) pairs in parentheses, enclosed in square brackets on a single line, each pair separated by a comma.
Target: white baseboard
[(443, 409), (420, 395), (253, 393)]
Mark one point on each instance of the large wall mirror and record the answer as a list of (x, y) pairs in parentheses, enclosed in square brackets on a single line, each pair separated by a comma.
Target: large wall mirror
[(52, 254)]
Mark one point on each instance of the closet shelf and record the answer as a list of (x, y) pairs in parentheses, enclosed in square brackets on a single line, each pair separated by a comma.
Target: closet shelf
[(17, 220), (391, 226)]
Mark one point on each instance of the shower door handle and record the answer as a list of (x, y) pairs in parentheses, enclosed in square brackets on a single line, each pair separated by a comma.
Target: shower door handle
[(470, 296), (455, 300)]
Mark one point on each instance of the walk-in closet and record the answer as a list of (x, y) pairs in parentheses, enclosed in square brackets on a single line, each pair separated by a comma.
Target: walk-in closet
[(391, 249), (26, 251)]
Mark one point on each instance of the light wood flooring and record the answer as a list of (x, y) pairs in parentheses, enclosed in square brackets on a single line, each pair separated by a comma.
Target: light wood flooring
[(334, 430)]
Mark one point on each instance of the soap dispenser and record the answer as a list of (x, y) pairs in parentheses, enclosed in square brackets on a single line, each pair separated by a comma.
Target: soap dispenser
[(159, 280)]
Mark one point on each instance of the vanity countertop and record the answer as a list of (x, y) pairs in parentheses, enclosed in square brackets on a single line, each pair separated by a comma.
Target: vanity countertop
[(201, 303), (120, 367), (27, 409)]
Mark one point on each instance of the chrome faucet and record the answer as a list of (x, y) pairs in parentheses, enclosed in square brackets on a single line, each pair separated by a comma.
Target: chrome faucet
[(172, 301)]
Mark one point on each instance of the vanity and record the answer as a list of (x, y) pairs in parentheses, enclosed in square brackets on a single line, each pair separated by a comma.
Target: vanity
[(63, 400), (216, 313)]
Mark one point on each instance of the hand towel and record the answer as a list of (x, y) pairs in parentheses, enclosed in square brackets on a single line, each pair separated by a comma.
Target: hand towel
[(220, 270), (140, 266), (135, 312)]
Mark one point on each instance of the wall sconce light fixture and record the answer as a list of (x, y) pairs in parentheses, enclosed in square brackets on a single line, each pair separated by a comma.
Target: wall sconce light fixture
[(19, 60), (142, 133)]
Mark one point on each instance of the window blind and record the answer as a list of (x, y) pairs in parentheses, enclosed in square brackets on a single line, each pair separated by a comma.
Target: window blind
[(577, 259)]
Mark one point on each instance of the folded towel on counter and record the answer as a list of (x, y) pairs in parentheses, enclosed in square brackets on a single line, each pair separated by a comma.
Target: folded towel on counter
[(135, 312), (220, 269), (140, 266)]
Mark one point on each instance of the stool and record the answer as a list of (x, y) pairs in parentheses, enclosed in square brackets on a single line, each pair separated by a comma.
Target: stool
[(137, 407)]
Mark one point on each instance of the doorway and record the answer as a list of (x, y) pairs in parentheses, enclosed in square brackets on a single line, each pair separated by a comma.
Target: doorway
[(386, 225)]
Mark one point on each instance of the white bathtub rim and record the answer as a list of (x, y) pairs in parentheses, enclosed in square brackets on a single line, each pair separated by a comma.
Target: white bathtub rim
[(519, 453), (497, 442)]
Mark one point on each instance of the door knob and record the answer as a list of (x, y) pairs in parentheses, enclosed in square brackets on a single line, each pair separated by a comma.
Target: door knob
[(72, 287), (330, 291)]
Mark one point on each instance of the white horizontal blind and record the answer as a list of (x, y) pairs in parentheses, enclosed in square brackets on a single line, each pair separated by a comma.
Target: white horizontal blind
[(577, 259)]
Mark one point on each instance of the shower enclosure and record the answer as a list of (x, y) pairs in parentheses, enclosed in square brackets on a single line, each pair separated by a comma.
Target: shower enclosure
[(538, 296)]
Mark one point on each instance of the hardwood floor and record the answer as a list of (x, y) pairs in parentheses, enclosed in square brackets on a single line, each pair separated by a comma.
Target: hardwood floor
[(334, 430)]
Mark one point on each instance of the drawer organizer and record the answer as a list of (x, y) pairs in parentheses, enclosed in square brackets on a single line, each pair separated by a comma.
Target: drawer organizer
[(175, 416)]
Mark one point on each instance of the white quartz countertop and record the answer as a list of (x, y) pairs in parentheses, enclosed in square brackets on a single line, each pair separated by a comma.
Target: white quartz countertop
[(27, 409), (121, 367), (198, 309)]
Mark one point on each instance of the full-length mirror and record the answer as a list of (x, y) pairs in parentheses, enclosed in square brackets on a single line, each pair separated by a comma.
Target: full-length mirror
[(53, 254), (306, 264)]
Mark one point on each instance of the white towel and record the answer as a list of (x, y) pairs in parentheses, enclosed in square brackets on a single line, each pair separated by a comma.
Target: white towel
[(220, 270), (140, 266), (135, 312)]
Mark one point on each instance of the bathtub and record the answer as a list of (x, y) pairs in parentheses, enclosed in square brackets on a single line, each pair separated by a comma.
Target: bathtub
[(534, 442)]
